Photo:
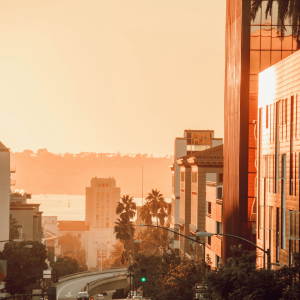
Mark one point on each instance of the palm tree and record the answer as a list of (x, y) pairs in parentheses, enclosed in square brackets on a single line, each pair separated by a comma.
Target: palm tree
[(116, 253), (286, 9), (121, 230), (146, 214), (127, 208), (158, 205)]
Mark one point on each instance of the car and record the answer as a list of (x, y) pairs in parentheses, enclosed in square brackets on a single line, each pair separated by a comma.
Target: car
[(83, 296), (99, 297), (133, 294)]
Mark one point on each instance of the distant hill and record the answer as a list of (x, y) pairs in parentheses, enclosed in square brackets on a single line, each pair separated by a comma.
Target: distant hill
[(47, 173)]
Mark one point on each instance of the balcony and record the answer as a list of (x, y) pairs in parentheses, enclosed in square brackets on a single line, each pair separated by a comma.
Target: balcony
[(13, 169), (12, 182)]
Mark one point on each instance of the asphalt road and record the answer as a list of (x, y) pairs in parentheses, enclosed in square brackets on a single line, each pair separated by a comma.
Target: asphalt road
[(68, 290)]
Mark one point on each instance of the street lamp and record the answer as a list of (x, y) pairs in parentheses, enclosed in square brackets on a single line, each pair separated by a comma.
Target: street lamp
[(187, 237), (267, 252), (65, 253), (140, 241)]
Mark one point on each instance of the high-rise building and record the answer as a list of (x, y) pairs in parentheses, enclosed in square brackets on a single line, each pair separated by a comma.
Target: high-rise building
[(251, 47), (4, 193), (101, 202)]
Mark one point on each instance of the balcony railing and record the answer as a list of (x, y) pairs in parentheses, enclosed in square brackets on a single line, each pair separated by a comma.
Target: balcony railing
[(12, 182), (13, 169), (219, 201)]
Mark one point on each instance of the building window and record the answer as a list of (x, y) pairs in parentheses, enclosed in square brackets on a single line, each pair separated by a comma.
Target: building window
[(182, 176), (107, 185), (209, 208), (209, 240), (220, 192), (107, 222), (194, 177), (221, 177), (219, 227)]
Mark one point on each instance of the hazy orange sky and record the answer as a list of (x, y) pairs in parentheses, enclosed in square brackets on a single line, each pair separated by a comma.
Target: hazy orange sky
[(108, 76)]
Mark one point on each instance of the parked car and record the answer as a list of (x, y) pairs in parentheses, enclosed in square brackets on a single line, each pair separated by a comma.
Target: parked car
[(133, 293), (99, 297), (83, 296)]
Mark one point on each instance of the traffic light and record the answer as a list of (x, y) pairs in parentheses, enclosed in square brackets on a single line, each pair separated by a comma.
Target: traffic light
[(143, 271), (55, 276)]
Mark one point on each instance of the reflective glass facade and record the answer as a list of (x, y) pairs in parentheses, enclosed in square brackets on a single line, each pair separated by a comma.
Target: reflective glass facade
[(251, 47)]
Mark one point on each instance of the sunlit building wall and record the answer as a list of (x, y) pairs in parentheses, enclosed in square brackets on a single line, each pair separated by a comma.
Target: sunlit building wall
[(101, 202), (4, 193), (191, 142), (279, 161), (251, 47), (195, 170)]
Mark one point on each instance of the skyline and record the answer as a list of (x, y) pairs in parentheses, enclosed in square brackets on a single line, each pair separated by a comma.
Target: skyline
[(110, 76)]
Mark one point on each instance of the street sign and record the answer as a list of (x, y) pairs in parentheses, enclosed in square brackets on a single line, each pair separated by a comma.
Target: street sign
[(199, 296), (47, 274)]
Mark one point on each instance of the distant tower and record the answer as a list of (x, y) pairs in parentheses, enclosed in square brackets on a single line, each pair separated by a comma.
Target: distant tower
[(4, 193), (101, 201)]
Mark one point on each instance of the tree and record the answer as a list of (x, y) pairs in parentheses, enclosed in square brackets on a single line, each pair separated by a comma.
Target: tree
[(127, 208), (24, 265), (240, 279), (287, 9), (66, 265), (162, 286), (158, 206), (122, 233), (71, 243), (13, 228), (116, 255)]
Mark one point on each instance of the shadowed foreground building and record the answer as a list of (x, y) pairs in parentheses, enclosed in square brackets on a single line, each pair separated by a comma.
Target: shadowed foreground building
[(251, 47)]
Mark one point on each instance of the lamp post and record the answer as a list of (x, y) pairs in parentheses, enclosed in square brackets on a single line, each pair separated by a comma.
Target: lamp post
[(65, 253), (140, 241), (187, 237), (267, 252)]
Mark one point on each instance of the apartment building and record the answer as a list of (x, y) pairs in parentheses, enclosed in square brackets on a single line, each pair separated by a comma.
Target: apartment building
[(251, 47), (278, 161), (28, 216), (192, 141), (195, 171), (4, 193)]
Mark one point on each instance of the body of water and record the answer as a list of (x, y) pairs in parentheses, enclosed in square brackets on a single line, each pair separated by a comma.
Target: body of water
[(66, 207)]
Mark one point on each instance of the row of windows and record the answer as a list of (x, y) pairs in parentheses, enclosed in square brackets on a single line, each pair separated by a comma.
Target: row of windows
[(102, 195), (101, 225), (277, 171), (103, 185), (277, 120), (199, 135)]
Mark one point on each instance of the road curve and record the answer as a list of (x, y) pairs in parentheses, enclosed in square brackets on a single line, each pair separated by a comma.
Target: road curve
[(69, 289)]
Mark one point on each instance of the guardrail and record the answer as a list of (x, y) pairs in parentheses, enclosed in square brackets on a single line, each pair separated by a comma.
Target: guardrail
[(89, 273)]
